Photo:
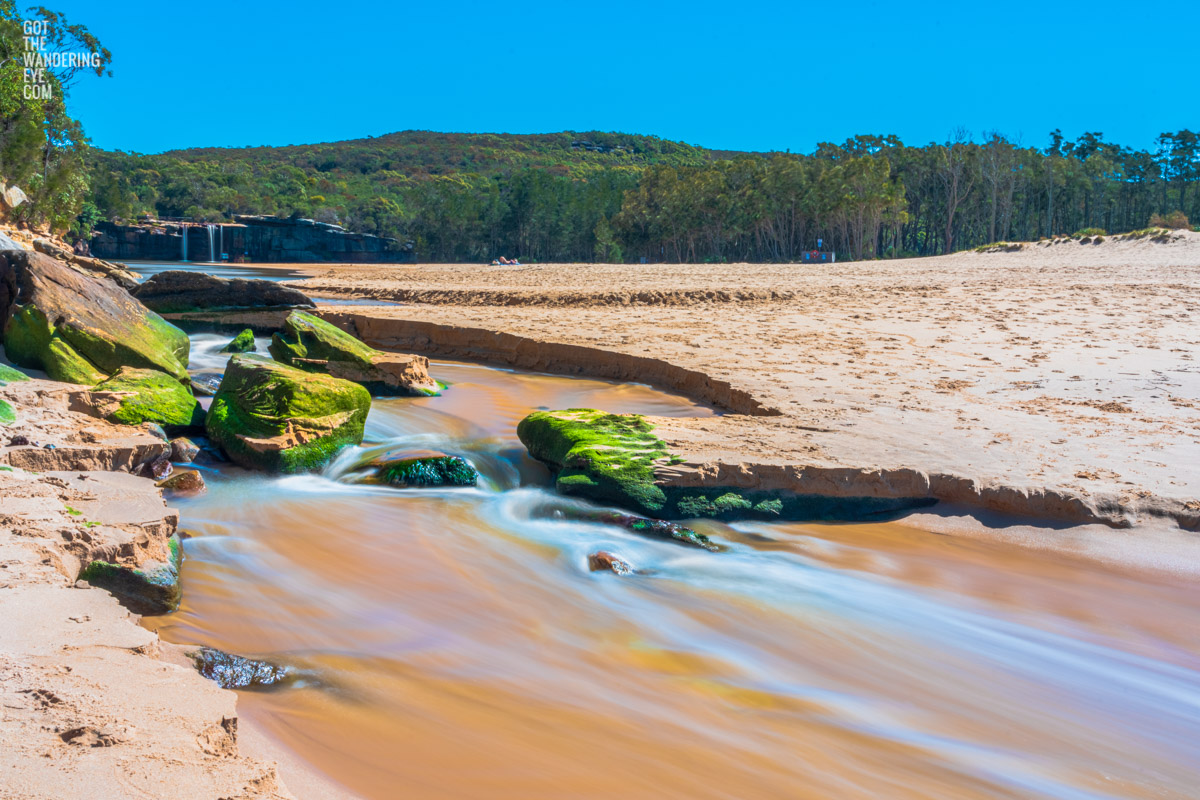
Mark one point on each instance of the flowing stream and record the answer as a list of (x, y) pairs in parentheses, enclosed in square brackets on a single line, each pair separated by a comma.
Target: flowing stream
[(455, 644)]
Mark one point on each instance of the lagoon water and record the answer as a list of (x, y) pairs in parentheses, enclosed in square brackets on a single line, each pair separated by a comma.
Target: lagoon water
[(456, 645)]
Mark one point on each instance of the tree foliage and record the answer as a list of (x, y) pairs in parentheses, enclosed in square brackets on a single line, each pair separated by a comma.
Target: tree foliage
[(42, 149), (607, 196)]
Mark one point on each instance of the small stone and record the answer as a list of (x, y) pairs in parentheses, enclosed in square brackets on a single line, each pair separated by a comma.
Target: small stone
[(604, 561), (159, 468), (184, 450), (184, 481), (154, 429), (19, 441), (236, 672)]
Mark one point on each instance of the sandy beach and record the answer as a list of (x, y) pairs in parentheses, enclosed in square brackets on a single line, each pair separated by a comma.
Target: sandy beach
[(1061, 367)]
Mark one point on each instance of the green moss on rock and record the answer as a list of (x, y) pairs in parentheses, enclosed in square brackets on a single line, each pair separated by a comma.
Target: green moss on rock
[(7, 415), (310, 343), (270, 416), (10, 375), (81, 329), (242, 343), (152, 588), (156, 397), (608, 457), (427, 471)]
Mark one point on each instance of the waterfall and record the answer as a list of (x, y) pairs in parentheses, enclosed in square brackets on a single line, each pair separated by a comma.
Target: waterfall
[(183, 231), (221, 249), (212, 250)]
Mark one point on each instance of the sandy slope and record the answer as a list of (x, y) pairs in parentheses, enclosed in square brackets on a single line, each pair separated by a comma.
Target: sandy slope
[(1066, 367), (92, 704)]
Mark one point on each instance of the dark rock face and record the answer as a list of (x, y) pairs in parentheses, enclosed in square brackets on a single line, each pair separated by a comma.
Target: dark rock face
[(183, 290), (236, 672), (253, 238), (79, 328)]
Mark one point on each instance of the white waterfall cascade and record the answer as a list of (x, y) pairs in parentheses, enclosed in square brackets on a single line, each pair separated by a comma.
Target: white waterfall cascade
[(212, 249), (221, 249)]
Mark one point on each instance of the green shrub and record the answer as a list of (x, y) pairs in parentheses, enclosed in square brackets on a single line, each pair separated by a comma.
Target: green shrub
[(1089, 232)]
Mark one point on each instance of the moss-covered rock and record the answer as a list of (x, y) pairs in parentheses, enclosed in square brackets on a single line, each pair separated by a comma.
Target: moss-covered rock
[(601, 456), (311, 343), (152, 396), (426, 471), (612, 458), (7, 415), (10, 375), (152, 588), (79, 328), (273, 417), (242, 343)]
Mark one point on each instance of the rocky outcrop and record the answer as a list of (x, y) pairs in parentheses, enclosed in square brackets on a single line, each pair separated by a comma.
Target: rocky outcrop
[(242, 343), (78, 328), (117, 273), (273, 417), (135, 396), (618, 459), (178, 291), (311, 343), (253, 238)]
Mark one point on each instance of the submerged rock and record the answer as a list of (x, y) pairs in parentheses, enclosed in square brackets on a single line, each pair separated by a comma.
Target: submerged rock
[(311, 343), (236, 672), (277, 418), (604, 561), (242, 343), (437, 470), (79, 328), (180, 290), (152, 588), (159, 468), (134, 396), (184, 481)]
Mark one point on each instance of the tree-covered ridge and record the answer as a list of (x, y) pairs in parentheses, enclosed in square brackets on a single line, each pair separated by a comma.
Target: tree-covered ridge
[(610, 196)]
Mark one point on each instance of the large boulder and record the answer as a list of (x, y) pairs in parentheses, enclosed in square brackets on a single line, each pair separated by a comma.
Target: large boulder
[(311, 343), (607, 457), (133, 396), (179, 290), (79, 328), (270, 416)]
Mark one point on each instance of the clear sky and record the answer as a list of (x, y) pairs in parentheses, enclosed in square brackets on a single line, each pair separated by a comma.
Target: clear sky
[(732, 75)]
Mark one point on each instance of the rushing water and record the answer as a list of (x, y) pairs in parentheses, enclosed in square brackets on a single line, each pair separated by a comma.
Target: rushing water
[(458, 646)]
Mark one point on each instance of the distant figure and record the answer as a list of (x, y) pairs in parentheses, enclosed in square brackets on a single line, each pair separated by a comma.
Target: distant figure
[(504, 262), (82, 248)]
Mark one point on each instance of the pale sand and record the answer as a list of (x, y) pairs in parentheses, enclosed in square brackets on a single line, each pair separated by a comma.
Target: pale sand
[(1066, 367)]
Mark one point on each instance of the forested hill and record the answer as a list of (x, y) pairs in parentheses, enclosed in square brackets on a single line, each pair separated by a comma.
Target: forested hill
[(610, 196), (430, 153)]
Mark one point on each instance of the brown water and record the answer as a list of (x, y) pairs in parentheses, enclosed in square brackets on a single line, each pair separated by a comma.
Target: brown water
[(459, 648)]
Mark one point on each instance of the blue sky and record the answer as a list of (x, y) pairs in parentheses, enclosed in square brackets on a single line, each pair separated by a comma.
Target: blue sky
[(745, 76)]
